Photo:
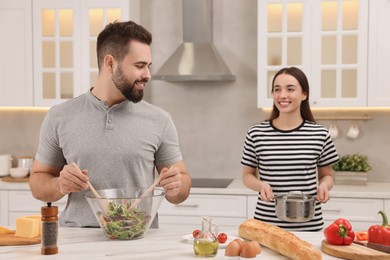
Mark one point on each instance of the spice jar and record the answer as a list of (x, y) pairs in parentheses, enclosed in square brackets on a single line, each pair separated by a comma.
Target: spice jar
[(49, 229)]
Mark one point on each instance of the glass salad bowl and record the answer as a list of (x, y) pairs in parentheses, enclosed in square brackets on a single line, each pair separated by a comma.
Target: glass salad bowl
[(125, 215)]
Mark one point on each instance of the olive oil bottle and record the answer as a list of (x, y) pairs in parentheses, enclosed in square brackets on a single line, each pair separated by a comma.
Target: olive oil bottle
[(206, 243)]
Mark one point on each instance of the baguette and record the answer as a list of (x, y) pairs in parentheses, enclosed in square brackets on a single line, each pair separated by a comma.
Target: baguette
[(278, 239)]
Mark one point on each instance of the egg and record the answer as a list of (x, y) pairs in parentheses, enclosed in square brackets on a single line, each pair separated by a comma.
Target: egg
[(257, 246), (249, 249), (233, 249), (240, 241)]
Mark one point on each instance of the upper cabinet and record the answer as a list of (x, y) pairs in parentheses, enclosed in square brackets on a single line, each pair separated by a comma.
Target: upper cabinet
[(326, 39), (65, 35), (16, 77), (379, 54)]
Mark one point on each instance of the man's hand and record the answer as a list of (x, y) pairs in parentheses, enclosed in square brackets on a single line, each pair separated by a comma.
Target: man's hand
[(171, 180), (72, 179)]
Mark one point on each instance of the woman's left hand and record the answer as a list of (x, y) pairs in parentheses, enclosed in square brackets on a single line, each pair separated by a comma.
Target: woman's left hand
[(322, 193)]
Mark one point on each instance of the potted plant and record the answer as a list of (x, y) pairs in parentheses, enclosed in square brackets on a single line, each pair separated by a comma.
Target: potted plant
[(351, 169)]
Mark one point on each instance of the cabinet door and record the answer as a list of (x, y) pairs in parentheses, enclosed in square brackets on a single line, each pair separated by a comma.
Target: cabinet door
[(326, 39), (387, 205), (362, 213), (251, 206), (16, 76), (379, 54), (226, 210), (65, 45), (22, 203)]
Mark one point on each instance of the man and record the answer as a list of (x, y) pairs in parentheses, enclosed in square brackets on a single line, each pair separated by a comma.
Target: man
[(109, 132)]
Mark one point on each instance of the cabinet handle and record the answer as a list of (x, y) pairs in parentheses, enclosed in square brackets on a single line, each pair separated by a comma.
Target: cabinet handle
[(332, 210), (187, 205)]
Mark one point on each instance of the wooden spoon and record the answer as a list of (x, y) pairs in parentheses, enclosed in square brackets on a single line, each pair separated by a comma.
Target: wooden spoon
[(146, 192), (97, 195)]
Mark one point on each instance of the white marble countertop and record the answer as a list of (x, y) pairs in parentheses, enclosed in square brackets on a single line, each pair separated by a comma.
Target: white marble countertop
[(371, 190), (163, 243)]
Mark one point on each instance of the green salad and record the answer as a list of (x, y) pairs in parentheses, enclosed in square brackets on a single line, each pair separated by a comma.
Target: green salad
[(121, 222)]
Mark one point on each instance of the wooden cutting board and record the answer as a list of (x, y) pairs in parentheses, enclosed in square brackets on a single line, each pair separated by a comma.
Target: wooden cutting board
[(353, 251), (12, 179), (12, 240)]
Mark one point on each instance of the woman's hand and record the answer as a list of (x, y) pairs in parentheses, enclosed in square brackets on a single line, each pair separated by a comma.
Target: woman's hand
[(322, 193), (266, 192)]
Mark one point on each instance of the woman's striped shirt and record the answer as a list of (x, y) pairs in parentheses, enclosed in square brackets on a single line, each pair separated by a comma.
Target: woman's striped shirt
[(288, 161)]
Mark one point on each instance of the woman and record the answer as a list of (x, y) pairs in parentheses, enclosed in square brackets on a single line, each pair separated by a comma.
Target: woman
[(290, 151)]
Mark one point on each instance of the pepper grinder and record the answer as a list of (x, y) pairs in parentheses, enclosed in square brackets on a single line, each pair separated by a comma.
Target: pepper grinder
[(49, 229)]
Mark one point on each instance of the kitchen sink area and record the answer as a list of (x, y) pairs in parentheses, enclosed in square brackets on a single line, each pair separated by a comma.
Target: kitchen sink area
[(211, 182)]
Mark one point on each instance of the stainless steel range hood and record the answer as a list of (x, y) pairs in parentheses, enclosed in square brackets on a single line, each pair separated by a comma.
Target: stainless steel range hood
[(196, 59)]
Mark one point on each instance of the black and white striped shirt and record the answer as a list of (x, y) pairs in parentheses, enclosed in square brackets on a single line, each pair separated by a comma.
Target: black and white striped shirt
[(288, 161)]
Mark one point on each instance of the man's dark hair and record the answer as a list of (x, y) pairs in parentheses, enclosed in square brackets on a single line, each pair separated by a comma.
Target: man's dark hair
[(115, 38)]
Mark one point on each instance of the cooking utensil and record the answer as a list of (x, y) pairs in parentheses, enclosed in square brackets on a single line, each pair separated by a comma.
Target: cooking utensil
[(25, 162), (294, 207), (12, 240), (353, 251), (147, 191), (119, 221), (89, 184)]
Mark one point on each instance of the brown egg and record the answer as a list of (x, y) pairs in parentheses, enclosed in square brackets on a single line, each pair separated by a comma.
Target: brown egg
[(233, 249), (249, 250), (240, 241), (257, 246)]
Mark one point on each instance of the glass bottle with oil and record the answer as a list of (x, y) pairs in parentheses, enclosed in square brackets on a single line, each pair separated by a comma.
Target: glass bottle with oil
[(206, 242)]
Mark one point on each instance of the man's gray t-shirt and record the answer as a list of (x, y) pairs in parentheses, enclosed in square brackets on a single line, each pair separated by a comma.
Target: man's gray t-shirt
[(119, 146)]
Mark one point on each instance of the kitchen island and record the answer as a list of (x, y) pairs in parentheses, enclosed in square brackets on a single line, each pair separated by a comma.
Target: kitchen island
[(163, 243)]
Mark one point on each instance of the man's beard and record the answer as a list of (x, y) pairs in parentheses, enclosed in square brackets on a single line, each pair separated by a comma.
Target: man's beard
[(126, 88)]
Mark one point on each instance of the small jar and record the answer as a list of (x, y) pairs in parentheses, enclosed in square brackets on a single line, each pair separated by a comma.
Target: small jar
[(206, 242), (49, 229)]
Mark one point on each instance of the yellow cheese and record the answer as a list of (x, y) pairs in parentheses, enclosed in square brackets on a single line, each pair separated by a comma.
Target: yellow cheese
[(39, 217), (4, 230), (29, 226)]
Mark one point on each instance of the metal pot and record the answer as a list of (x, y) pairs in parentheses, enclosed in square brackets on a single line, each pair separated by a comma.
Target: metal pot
[(25, 162), (295, 207)]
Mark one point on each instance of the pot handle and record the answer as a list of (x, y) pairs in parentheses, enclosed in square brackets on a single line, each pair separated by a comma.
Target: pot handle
[(294, 192)]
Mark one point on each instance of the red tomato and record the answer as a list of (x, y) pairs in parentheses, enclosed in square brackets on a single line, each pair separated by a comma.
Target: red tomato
[(361, 236), (222, 237), (195, 232)]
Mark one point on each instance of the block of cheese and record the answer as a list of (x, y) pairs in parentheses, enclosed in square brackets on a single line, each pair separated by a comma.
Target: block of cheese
[(39, 217), (28, 226)]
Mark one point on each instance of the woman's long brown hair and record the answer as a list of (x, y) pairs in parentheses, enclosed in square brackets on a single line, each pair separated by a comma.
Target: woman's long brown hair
[(302, 79)]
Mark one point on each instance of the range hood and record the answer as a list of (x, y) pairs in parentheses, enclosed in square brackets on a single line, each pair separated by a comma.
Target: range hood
[(196, 59)]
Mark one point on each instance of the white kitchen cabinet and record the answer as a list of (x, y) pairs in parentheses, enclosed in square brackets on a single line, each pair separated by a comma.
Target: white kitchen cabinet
[(362, 213), (227, 211), (387, 206), (16, 72), (17, 203), (326, 39), (379, 54), (251, 206), (65, 35)]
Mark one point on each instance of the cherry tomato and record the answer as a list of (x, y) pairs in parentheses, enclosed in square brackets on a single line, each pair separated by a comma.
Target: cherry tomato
[(222, 237), (195, 232)]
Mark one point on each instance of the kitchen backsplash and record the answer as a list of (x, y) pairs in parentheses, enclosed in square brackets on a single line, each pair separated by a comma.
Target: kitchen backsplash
[(211, 137)]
